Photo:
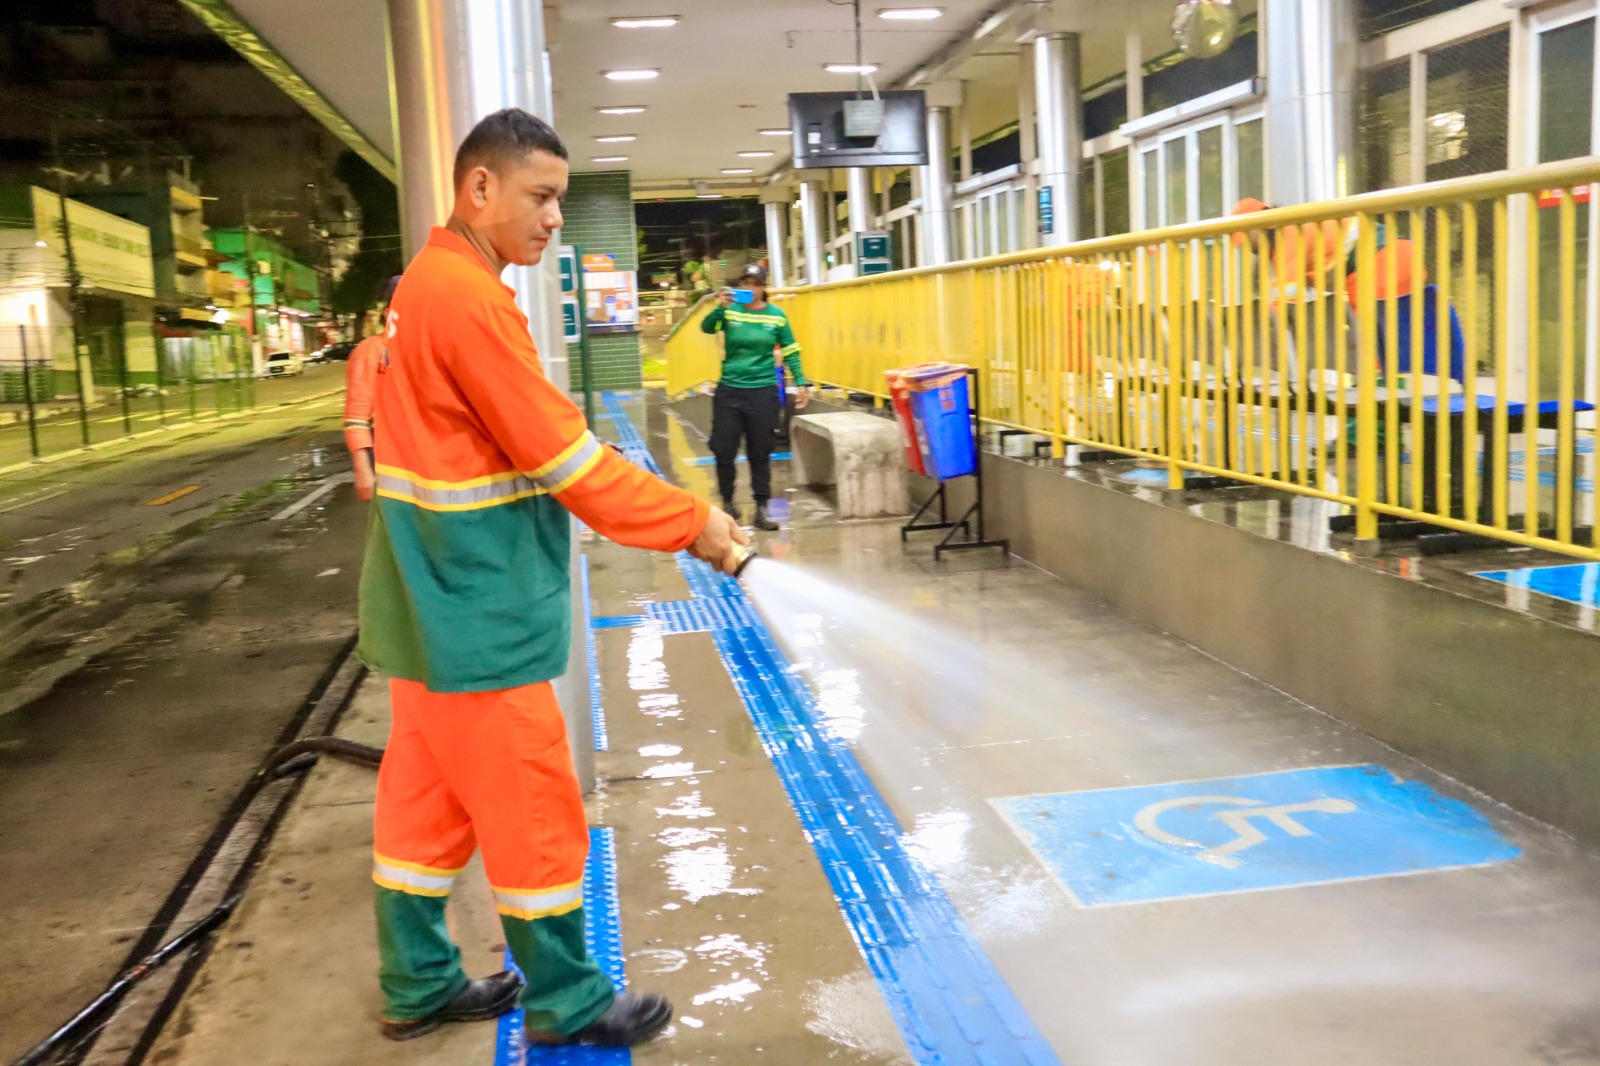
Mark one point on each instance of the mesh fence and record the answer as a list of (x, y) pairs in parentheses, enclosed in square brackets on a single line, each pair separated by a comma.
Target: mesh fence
[(59, 392)]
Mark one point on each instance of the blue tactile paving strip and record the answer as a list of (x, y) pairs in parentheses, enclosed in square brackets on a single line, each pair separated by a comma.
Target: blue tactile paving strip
[(952, 1006), (1574, 582), (603, 914), (711, 460), (617, 621), (602, 741)]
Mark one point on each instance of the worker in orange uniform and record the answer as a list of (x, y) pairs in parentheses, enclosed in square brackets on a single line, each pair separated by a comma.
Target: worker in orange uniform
[(360, 379), (466, 605)]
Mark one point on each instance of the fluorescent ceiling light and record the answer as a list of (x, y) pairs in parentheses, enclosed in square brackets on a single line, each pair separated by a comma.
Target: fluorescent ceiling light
[(755, 155), (737, 170), (619, 110), (775, 133), (632, 75), (851, 68), (645, 22), (618, 138), (910, 14), (610, 159), (708, 196)]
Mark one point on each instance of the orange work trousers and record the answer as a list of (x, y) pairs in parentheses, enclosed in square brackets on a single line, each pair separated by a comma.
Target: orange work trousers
[(490, 770)]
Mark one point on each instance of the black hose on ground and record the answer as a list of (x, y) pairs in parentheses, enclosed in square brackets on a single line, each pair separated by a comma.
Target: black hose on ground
[(128, 978), (303, 754)]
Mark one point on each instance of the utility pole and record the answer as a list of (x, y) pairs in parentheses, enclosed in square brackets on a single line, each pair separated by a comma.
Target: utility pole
[(74, 285)]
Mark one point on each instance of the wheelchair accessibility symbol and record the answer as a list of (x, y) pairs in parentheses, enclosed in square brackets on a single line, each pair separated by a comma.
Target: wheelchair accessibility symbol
[(1244, 834), (1241, 819)]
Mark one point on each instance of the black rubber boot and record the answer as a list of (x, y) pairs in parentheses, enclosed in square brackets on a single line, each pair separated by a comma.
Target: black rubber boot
[(481, 1001), (630, 1020), (763, 520), (728, 506)]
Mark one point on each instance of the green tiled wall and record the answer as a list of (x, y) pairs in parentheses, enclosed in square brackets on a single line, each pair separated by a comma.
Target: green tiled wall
[(599, 218)]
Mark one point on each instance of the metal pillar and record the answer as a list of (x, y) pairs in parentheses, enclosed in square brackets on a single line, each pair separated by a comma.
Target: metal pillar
[(777, 212), (811, 231), (858, 195), (451, 63), (1309, 49), (938, 213), (1059, 101)]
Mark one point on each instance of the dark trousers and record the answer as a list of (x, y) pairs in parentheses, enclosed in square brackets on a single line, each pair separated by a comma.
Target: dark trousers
[(749, 416)]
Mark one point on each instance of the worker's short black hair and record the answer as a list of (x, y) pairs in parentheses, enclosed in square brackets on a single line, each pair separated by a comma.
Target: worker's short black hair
[(503, 136)]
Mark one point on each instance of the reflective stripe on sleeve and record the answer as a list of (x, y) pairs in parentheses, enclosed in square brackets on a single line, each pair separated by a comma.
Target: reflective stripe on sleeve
[(565, 469)]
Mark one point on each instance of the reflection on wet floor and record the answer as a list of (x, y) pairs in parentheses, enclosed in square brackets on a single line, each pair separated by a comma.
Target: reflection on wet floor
[(1304, 522)]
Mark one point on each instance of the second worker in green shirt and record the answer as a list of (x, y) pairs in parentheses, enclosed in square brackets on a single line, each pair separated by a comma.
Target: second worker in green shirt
[(746, 408)]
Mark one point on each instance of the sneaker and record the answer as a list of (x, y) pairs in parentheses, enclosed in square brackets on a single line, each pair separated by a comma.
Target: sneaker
[(481, 1001), (764, 520), (630, 1020)]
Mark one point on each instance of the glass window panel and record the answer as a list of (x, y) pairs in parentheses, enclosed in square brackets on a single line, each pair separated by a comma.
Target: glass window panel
[(1177, 161), (1115, 197), (1384, 126), (1152, 189), (1208, 171), (1252, 164), (1468, 107), (1086, 201), (1566, 91)]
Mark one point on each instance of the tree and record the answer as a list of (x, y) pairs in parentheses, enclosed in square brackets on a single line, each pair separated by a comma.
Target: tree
[(377, 258)]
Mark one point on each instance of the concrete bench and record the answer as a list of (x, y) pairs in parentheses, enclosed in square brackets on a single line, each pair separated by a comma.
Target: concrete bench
[(859, 453)]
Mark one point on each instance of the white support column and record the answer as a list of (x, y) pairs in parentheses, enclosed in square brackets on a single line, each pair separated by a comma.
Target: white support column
[(452, 63), (776, 202), (813, 227), (1133, 61), (1310, 51), (1028, 145), (858, 194), (1059, 99), (937, 195)]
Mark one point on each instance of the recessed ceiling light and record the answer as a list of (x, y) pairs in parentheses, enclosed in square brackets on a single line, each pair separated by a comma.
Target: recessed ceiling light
[(737, 170), (610, 159), (755, 155), (708, 196), (910, 14), (619, 110), (645, 22), (618, 138), (775, 133), (851, 68), (632, 75)]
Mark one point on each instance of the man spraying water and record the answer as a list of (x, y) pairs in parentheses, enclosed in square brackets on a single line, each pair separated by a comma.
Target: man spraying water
[(466, 604)]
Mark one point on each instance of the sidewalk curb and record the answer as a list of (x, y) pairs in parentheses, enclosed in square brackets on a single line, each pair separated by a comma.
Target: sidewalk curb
[(33, 464)]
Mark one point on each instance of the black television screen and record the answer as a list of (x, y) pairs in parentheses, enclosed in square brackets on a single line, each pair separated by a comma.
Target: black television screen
[(823, 131)]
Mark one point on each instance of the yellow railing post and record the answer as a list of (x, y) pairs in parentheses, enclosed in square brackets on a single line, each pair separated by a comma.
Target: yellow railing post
[(1366, 383), (1174, 361)]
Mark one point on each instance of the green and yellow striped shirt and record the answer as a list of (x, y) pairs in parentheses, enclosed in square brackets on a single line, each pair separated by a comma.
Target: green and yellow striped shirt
[(751, 338)]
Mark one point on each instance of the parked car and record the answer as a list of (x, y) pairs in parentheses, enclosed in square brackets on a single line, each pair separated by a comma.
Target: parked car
[(338, 350), (284, 364)]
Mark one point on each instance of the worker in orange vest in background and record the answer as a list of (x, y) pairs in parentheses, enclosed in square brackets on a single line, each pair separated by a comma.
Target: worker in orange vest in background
[(466, 605), (360, 380)]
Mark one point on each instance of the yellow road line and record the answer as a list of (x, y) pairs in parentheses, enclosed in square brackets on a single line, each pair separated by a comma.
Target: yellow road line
[(169, 497)]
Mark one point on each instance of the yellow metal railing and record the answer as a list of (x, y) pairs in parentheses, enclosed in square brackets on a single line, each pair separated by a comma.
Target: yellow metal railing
[(693, 356), (1425, 353)]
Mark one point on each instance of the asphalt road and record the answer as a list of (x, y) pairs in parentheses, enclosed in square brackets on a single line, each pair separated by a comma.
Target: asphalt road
[(158, 629)]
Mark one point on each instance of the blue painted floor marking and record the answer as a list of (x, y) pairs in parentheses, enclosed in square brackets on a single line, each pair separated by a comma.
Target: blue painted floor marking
[(711, 460), (597, 714), (1243, 834), (603, 926), (1574, 582), (952, 1006)]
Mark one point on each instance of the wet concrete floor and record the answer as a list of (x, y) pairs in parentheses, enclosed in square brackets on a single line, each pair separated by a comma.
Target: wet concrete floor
[(152, 656), (962, 687)]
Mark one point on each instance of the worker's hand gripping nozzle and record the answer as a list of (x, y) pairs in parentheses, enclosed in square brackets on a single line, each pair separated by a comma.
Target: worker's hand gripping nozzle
[(746, 554)]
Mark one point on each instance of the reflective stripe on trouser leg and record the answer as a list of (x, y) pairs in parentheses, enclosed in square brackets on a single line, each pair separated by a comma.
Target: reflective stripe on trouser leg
[(504, 755), (421, 839)]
